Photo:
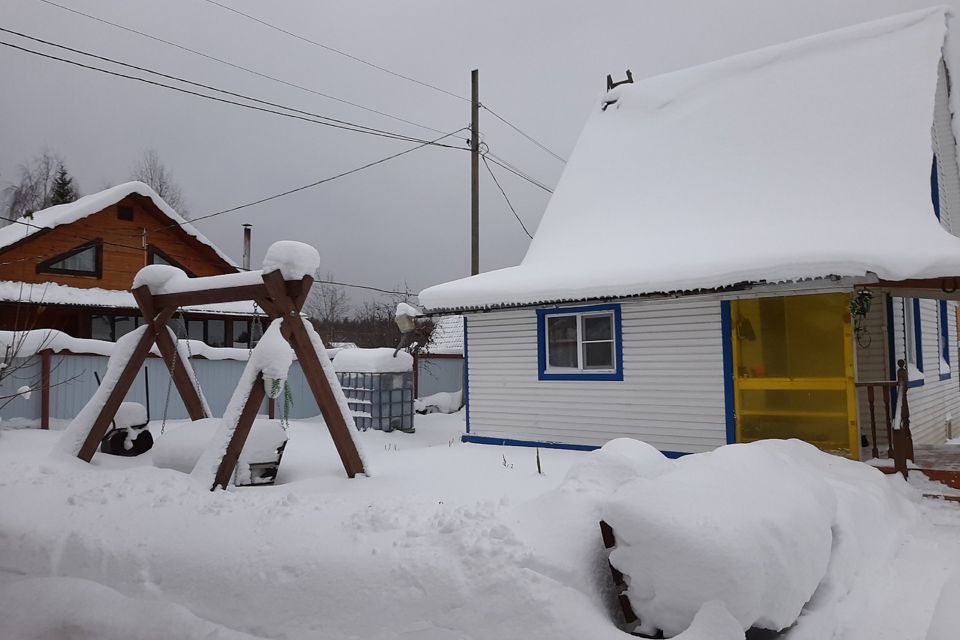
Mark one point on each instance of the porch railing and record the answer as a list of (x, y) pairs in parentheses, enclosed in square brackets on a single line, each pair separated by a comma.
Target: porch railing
[(899, 437)]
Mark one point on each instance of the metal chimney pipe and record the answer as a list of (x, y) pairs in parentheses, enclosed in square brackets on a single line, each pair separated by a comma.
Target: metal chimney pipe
[(246, 246)]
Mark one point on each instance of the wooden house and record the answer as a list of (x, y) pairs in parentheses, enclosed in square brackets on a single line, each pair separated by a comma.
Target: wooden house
[(70, 267), (702, 273)]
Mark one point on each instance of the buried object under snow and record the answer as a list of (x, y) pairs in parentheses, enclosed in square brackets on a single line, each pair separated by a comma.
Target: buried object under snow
[(128, 435), (759, 527), (181, 446)]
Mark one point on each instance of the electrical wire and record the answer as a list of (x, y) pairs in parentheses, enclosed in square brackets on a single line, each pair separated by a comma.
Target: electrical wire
[(503, 164), (319, 182), (306, 115), (504, 193), (518, 130), (335, 50), (239, 66)]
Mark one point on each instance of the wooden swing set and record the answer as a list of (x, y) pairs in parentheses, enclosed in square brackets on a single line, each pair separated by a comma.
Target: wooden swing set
[(278, 298)]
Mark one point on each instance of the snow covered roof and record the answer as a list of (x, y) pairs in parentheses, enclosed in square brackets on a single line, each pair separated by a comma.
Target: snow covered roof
[(93, 203), (53, 293), (447, 337), (803, 160)]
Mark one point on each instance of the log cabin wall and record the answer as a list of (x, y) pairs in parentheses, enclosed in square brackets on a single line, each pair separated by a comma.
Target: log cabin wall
[(120, 224)]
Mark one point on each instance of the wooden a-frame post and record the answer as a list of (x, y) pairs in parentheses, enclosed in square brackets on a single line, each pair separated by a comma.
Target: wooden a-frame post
[(278, 298)]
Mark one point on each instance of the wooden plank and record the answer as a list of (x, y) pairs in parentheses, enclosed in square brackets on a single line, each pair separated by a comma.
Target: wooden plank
[(247, 415), (299, 339), (117, 394), (158, 324), (293, 289)]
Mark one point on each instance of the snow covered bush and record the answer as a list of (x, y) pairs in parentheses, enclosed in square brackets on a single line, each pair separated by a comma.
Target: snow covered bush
[(760, 527)]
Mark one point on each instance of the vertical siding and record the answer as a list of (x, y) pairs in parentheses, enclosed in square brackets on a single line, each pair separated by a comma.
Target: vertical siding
[(944, 146), (931, 403), (672, 394)]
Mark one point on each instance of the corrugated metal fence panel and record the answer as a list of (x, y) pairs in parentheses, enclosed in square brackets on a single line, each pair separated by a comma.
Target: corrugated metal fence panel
[(439, 374), (73, 383), (22, 373), (672, 394)]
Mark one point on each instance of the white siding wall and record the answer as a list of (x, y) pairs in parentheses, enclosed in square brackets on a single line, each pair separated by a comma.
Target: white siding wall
[(672, 394), (937, 401)]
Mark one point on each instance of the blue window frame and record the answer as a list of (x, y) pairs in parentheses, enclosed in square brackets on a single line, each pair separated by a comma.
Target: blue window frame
[(944, 341), (580, 343), (913, 336), (935, 187)]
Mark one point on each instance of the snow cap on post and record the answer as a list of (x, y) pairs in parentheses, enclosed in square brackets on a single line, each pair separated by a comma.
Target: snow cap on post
[(158, 276), (293, 259)]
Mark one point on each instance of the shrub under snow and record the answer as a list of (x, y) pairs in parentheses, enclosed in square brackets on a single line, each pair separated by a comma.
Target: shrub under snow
[(759, 527)]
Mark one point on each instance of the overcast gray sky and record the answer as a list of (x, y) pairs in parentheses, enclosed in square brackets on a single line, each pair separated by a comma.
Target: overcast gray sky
[(542, 66)]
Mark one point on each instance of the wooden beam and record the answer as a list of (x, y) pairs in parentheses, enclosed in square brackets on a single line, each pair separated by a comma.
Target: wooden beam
[(227, 294), (930, 288), (158, 324), (45, 388), (299, 339), (235, 447), (117, 394)]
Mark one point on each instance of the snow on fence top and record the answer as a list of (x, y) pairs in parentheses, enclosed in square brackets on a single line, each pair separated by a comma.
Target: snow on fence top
[(88, 205), (25, 344), (380, 360), (803, 160), (53, 293), (293, 259)]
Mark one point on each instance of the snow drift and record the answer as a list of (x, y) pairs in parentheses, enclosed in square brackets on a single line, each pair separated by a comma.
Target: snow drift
[(760, 527)]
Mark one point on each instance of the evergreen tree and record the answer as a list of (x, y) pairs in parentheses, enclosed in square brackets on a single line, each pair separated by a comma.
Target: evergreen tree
[(63, 189)]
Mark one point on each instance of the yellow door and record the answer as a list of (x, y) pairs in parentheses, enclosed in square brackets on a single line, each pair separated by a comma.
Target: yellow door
[(793, 371)]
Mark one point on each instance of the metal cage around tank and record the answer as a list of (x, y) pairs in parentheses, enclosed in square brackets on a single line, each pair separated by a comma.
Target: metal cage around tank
[(382, 401)]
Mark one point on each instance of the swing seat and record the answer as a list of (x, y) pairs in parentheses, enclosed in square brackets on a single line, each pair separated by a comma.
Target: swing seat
[(129, 435)]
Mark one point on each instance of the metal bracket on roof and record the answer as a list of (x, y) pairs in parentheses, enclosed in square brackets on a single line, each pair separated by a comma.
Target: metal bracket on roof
[(607, 101)]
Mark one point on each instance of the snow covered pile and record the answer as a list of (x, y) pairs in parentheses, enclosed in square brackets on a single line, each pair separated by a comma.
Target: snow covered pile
[(130, 414), (272, 358), (760, 527), (440, 402), (379, 360), (181, 444), (293, 259)]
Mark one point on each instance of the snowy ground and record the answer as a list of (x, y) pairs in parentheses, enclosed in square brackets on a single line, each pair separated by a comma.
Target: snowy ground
[(445, 540)]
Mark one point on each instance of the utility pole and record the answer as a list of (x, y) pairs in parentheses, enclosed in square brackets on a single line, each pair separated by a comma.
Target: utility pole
[(474, 173)]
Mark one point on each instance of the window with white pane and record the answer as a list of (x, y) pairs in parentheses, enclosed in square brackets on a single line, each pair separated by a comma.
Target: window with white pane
[(580, 343)]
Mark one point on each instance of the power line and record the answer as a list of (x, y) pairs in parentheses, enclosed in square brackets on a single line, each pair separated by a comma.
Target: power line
[(503, 164), (368, 287), (307, 116), (518, 130), (321, 181), (239, 67), (335, 50), (504, 193)]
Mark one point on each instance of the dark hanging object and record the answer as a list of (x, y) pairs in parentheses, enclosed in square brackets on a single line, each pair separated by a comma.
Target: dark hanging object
[(611, 84)]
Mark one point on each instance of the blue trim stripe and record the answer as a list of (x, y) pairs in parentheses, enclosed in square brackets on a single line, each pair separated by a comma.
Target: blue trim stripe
[(542, 314), (918, 333), (729, 401), (935, 187), (466, 374), (944, 338), (508, 442)]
